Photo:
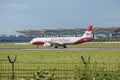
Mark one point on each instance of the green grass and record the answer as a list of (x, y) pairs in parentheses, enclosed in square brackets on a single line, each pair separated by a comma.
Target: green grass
[(84, 45), (24, 66), (61, 56)]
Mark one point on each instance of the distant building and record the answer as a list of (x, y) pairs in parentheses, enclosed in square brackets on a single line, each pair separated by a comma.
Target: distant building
[(14, 38), (112, 32), (27, 35)]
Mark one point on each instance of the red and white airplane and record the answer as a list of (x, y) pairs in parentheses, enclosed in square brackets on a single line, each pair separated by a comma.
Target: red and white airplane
[(63, 41)]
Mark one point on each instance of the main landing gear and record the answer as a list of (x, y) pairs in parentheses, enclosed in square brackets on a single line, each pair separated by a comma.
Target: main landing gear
[(56, 46), (64, 46)]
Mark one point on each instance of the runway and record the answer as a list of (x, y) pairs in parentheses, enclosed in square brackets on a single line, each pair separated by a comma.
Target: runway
[(59, 49)]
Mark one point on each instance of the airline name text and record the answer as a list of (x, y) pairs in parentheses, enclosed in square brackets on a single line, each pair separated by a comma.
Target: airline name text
[(60, 39)]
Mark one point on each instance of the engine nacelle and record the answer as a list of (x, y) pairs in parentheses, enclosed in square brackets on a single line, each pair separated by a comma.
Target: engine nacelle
[(47, 44)]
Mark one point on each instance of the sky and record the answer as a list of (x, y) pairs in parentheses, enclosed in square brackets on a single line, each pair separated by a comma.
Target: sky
[(57, 14)]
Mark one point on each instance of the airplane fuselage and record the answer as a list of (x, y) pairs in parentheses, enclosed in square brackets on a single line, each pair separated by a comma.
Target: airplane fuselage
[(63, 41)]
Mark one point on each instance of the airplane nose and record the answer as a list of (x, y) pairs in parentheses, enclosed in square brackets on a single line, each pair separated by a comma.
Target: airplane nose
[(31, 42)]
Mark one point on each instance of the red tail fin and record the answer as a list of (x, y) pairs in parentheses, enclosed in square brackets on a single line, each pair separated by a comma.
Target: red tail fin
[(89, 28), (88, 32)]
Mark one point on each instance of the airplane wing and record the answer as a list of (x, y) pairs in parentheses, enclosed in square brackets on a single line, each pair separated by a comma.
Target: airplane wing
[(57, 43), (49, 43)]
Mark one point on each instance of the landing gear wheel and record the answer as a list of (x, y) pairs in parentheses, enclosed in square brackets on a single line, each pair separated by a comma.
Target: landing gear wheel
[(64, 46), (56, 46)]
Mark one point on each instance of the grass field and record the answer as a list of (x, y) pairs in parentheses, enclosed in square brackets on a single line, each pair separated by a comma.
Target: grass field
[(84, 45), (105, 62), (61, 56), (58, 56)]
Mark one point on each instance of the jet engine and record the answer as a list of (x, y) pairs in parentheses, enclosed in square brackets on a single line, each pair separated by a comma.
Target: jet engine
[(47, 44)]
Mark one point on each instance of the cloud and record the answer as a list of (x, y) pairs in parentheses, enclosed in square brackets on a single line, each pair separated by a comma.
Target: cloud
[(14, 6)]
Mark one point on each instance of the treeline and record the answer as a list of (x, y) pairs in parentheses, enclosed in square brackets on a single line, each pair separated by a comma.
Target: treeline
[(106, 39)]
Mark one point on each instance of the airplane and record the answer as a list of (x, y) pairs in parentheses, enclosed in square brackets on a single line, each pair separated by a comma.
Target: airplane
[(64, 41)]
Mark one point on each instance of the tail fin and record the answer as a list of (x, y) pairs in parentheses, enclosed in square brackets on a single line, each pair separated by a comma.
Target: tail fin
[(89, 28), (88, 32)]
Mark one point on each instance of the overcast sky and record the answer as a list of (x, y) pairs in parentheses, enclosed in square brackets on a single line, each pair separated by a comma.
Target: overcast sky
[(57, 14)]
